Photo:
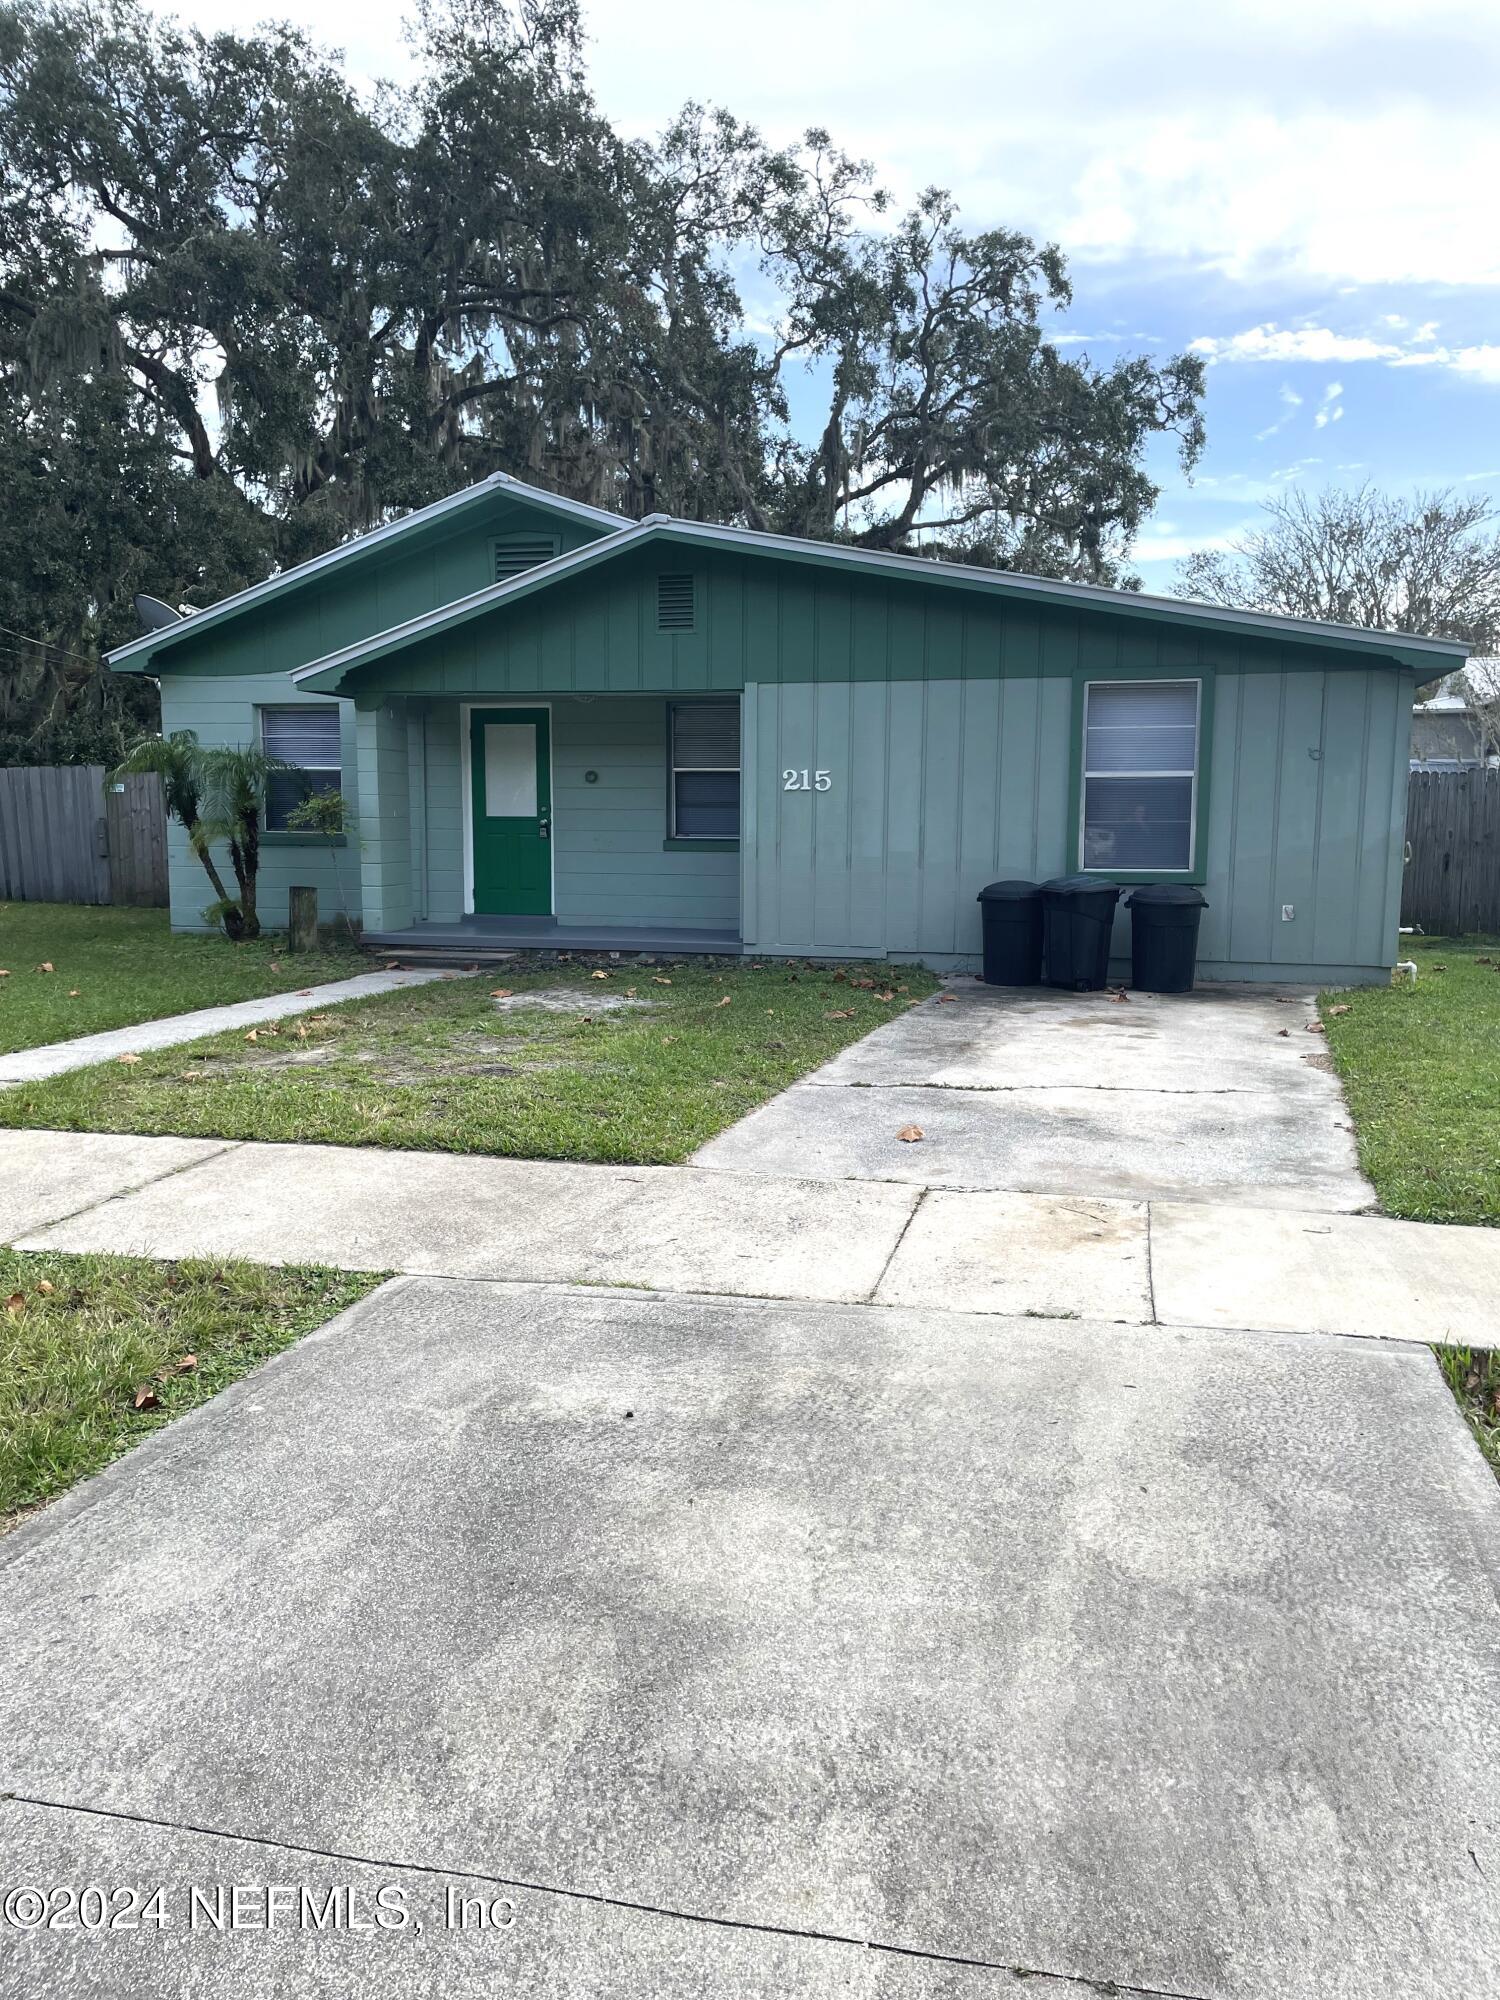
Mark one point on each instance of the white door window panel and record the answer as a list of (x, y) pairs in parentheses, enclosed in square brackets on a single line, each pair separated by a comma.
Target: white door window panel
[(510, 770)]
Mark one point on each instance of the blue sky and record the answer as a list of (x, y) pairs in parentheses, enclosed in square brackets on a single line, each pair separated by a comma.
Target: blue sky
[(1307, 191)]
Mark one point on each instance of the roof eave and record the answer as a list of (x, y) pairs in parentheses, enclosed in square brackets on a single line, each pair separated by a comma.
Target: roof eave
[(135, 655)]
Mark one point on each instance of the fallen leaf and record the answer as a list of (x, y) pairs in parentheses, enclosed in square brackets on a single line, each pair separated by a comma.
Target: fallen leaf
[(599, 975), (393, 965), (629, 992), (47, 966), (188, 1364), (657, 980), (841, 975), (274, 966), (728, 997), (885, 996), (127, 1059), (1315, 1028), (16, 1303), (500, 992), (1343, 1007), (301, 1031), (840, 1014), (911, 1133), (1119, 994), (253, 1036), (318, 1020), (46, 1287), (947, 999), (1283, 1031), (303, 991), (146, 1398), (189, 1075), (72, 992), (669, 1038), (3, 973)]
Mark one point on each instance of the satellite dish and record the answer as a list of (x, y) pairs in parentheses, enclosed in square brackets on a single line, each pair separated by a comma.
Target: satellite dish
[(154, 614)]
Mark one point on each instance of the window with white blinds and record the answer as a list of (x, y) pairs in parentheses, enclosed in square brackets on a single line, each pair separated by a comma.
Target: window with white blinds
[(705, 752), (306, 737), (1140, 775)]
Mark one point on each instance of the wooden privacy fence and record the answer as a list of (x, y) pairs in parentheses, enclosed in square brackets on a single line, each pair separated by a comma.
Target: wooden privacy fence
[(64, 838), (1452, 880)]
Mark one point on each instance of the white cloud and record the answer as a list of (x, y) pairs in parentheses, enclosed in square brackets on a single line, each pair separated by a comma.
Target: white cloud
[(1330, 409), (1269, 342), (1291, 404), (1481, 363), (1302, 343)]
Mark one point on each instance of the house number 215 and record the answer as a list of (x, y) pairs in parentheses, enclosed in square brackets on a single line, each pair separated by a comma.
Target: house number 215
[(807, 781)]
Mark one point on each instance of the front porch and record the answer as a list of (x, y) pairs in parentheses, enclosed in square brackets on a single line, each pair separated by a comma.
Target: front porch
[(480, 940), (545, 822)]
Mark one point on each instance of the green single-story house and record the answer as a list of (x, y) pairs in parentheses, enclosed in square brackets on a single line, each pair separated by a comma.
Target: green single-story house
[(558, 727)]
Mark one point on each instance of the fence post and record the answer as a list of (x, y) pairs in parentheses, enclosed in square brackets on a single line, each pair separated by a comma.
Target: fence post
[(302, 919)]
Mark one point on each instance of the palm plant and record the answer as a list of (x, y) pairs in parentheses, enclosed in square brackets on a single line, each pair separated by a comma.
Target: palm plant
[(233, 784), (178, 760), (214, 795)]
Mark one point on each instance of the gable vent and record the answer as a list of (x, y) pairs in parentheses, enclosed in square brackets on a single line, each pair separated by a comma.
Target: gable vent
[(515, 553), (674, 603)]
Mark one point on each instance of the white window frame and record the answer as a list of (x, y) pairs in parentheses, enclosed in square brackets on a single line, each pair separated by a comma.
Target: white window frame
[(673, 767), (1172, 680), (265, 708)]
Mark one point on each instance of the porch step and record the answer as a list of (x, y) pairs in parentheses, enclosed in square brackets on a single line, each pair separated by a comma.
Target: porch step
[(497, 940)]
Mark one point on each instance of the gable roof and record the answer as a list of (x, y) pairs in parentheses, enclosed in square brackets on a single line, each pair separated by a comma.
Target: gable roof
[(325, 675), (136, 654)]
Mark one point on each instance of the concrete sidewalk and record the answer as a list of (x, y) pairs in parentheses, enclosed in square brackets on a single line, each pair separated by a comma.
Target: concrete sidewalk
[(56, 1058), (677, 1229), (755, 1649)]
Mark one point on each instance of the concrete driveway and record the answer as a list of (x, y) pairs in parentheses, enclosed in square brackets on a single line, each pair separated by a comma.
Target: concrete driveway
[(1222, 1095), (757, 1648)]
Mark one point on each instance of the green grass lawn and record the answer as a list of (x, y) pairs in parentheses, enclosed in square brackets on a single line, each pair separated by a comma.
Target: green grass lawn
[(111, 968), (1421, 1069), (652, 1060), (98, 1352), (1473, 1374)]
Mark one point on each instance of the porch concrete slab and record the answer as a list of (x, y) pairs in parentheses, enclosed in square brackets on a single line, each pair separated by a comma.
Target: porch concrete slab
[(1368, 1276), (56, 1058), (1168, 1660), (1129, 1145), (1055, 1256), (564, 1947), (548, 1221), (45, 1176)]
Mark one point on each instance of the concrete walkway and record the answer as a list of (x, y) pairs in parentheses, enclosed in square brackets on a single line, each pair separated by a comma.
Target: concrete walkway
[(56, 1058), (678, 1229)]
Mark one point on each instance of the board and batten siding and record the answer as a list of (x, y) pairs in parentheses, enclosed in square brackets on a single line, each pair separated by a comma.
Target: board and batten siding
[(223, 713), (610, 864), (938, 787)]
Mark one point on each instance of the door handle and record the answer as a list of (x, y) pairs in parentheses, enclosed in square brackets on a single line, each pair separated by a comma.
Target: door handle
[(544, 829)]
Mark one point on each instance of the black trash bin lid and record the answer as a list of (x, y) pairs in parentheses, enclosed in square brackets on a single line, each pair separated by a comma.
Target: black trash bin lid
[(1008, 892), (1180, 895), (1080, 885)]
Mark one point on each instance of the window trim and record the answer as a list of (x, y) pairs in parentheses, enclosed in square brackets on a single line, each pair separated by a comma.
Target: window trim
[(675, 839), (287, 835), (1200, 676)]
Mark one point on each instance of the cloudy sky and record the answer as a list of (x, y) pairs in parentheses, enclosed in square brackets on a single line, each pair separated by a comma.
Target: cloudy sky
[(1305, 191)]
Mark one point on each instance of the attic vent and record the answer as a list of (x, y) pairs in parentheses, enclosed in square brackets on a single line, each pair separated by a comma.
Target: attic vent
[(515, 553), (674, 603)]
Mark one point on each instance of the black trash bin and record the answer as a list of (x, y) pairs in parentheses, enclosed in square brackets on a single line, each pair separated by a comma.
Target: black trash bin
[(1078, 914), (1164, 920), (1011, 913)]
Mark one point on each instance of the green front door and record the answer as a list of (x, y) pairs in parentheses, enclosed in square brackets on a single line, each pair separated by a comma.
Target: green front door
[(510, 759)]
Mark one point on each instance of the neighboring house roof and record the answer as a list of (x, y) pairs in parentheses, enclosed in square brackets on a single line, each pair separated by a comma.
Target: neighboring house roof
[(137, 653), (325, 675)]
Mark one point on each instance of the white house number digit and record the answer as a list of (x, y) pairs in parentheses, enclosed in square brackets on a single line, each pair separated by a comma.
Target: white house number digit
[(807, 781)]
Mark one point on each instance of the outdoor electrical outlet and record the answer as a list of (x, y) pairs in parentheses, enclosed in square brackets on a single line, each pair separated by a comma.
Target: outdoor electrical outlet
[(1287, 913)]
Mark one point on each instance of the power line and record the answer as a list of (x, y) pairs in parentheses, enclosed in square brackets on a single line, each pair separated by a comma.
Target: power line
[(52, 645)]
